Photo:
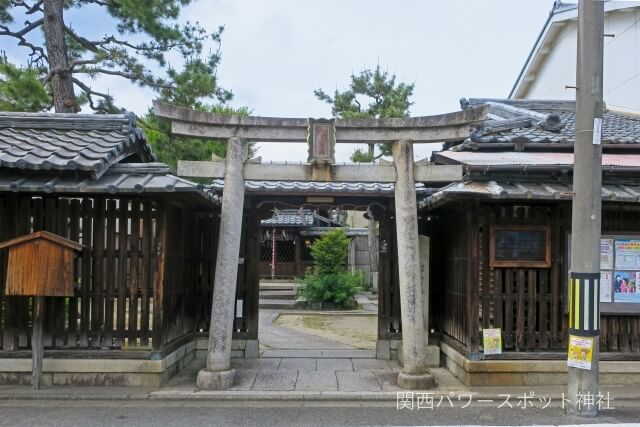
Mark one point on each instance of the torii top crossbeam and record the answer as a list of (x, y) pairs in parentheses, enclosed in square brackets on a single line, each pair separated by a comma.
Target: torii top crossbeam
[(439, 128)]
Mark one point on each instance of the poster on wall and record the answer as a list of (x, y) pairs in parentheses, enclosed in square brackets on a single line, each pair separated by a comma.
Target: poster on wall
[(580, 352), (606, 285), (492, 341), (625, 286), (627, 254), (606, 254)]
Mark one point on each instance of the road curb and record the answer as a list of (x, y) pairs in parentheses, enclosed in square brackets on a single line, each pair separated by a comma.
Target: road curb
[(456, 396)]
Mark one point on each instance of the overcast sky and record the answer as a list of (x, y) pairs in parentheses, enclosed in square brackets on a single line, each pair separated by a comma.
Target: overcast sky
[(275, 53)]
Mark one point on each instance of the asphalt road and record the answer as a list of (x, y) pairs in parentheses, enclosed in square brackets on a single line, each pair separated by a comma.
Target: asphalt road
[(203, 413)]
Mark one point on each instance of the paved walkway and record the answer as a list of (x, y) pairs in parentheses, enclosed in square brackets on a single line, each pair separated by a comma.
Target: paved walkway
[(316, 374), (292, 360), (277, 337)]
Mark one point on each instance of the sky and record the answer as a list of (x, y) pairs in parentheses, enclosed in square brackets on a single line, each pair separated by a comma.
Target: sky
[(275, 53)]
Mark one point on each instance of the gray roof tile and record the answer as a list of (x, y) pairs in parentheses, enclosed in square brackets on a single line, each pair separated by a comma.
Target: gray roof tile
[(69, 142), (527, 128), (121, 179), (290, 218), (303, 187), (507, 190)]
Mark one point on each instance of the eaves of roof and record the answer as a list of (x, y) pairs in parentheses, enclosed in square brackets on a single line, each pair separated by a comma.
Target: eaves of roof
[(125, 179), (557, 18), (316, 187), (83, 143), (509, 190)]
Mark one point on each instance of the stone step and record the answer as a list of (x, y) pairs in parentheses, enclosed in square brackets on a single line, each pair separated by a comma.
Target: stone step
[(269, 294), (278, 287), (319, 353), (277, 304)]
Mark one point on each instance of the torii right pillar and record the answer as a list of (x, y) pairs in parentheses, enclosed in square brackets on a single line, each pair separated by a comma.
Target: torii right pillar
[(415, 375)]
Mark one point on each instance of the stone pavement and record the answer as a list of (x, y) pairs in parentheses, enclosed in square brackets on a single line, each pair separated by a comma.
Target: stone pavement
[(293, 380), (311, 374), (276, 337)]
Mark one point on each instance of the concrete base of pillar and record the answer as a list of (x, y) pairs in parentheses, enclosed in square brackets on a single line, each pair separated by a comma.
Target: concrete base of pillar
[(215, 380), (416, 382), (432, 351), (252, 349), (383, 350)]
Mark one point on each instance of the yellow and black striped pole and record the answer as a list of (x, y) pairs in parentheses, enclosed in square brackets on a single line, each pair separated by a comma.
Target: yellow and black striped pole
[(584, 304)]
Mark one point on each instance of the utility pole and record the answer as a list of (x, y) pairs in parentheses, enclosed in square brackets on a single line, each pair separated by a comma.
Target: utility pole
[(584, 299)]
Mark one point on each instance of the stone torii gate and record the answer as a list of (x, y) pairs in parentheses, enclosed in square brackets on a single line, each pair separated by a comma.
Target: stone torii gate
[(321, 136)]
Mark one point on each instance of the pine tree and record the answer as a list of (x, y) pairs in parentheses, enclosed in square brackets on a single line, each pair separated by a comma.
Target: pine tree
[(385, 99), (72, 59), (21, 89)]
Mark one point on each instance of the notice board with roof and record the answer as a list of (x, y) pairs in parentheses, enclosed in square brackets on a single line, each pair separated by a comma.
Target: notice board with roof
[(40, 264)]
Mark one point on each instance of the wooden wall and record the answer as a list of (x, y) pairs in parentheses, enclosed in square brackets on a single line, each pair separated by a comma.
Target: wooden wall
[(389, 315), (527, 304), (450, 273), (138, 281)]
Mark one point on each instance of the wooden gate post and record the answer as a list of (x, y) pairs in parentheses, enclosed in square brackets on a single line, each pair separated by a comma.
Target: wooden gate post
[(218, 374), (37, 350), (415, 375)]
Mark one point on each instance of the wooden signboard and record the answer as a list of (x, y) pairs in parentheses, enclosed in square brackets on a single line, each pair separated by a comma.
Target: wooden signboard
[(40, 265), (520, 246)]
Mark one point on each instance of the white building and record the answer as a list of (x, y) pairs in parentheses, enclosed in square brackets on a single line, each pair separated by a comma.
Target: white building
[(551, 64)]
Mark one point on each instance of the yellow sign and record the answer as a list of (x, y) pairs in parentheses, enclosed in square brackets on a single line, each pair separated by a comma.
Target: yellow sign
[(580, 352), (492, 341)]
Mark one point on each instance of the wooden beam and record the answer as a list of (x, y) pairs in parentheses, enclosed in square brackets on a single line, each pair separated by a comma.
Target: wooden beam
[(438, 128), (302, 172)]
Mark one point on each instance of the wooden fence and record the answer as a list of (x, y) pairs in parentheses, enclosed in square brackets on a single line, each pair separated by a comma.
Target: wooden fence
[(527, 304), (138, 281)]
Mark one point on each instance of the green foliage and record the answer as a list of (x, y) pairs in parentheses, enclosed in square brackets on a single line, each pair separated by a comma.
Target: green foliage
[(385, 99), (337, 288), (21, 89), (146, 31), (329, 282), (330, 252)]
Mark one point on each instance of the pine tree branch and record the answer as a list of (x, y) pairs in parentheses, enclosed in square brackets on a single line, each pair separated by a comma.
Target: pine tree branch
[(134, 77), (29, 26), (68, 69), (98, 2), (36, 7), (90, 92), (36, 51), (85, 43), (143, 47)]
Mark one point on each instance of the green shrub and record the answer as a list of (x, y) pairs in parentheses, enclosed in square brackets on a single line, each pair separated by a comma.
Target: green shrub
[(329, 282), (337, 288)]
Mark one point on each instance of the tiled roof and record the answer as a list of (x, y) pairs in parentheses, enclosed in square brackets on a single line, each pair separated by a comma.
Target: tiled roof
[(311, 187), (515, 190), (289, 218), (121, 179), (524, 124), (511, 158), (296, 218), (70, 142)]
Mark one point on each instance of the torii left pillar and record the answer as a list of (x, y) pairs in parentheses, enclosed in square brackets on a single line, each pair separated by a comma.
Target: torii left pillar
[(414, 375), (218, 375)]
